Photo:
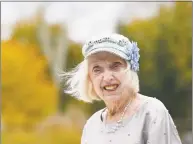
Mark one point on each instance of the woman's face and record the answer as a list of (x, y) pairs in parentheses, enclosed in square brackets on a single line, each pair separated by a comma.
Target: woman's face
[(108, 74)]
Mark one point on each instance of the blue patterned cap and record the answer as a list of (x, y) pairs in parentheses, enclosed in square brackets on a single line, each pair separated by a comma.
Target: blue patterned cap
[(116, 44)]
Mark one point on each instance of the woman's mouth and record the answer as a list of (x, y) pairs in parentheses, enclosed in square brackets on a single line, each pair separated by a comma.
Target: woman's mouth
[(111, 87)]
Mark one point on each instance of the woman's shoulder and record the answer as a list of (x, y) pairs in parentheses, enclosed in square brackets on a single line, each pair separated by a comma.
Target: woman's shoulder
[(94, 118), (153, 105)]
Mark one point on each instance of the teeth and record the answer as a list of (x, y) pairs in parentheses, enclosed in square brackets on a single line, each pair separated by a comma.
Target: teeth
[(111, 87)]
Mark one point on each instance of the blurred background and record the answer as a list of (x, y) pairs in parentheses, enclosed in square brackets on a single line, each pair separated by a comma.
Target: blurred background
[(40, 39)]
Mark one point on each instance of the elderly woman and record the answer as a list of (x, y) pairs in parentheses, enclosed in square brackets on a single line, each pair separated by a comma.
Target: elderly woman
[(109, 73)]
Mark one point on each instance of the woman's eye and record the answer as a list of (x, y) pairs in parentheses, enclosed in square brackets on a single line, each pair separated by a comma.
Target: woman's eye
[(116, 65), (96, 70)]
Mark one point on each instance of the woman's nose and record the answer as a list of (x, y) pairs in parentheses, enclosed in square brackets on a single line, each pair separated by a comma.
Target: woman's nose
[(108, 76)]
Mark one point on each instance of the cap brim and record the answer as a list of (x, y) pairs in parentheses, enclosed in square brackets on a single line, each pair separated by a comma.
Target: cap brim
[(110, 50)]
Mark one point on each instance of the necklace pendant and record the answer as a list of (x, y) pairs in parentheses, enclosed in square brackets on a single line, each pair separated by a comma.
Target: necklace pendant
[(115, 128), (119, 125)]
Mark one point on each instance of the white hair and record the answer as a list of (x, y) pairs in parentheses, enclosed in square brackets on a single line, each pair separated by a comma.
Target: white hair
[(80, 86)]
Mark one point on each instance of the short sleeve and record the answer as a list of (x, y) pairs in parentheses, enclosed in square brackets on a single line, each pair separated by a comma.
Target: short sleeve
[(161, 128), (87, 129)]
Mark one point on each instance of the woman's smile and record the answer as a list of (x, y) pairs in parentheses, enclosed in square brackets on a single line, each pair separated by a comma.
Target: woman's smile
[(111, 87)]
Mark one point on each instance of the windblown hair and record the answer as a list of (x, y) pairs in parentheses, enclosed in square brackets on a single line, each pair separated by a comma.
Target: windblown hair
[(79, 85)]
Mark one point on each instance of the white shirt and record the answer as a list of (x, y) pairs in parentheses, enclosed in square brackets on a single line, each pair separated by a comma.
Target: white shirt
[(151, 124)]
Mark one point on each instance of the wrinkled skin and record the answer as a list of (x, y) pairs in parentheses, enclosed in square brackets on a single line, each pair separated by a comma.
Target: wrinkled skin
[(109, 76)]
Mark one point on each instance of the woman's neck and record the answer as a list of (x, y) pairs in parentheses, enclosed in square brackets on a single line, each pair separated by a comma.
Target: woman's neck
[(115, 115)]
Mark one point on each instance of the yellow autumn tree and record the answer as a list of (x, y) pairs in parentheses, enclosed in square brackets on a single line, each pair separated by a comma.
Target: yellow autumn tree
[(27, 94)]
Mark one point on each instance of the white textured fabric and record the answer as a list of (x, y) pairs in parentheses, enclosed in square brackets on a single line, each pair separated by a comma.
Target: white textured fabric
[(151, 124)]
